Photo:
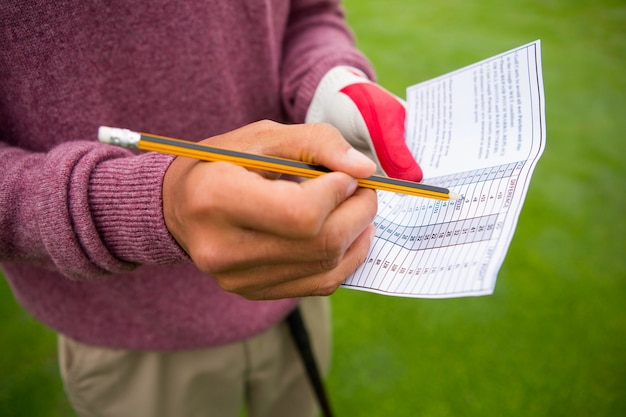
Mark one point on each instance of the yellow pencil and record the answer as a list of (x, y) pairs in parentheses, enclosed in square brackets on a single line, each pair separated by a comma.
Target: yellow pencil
[(148, 142)]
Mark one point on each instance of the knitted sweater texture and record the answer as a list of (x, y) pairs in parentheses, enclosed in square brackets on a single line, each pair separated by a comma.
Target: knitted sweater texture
[(83, 242)]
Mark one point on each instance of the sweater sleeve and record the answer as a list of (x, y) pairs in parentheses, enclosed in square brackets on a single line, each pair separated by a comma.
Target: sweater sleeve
[(85, 209), (317, 39)]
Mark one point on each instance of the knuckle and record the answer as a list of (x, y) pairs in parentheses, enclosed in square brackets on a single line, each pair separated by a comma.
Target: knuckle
[(233, 284), (321, 133), (264, 125), (323, 129), (334, 245), (255, 297), (211, 261), (329, 264), (304, 218), (326, 287), (332, 250), (226, 284), (307, 219)]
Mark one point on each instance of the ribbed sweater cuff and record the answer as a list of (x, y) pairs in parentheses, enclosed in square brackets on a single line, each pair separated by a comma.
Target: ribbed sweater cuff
[(125, 196)]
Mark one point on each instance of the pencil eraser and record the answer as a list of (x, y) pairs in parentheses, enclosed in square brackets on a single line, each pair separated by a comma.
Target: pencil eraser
[(105, 134), (117, 136)]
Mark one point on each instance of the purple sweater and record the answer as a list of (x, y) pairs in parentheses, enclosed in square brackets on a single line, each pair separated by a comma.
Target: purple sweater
[(83, 242)]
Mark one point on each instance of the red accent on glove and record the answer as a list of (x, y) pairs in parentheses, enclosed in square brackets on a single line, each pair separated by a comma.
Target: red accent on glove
[(384, 117)]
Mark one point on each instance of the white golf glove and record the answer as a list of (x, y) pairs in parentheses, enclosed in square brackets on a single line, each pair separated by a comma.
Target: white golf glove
[(368, 116)]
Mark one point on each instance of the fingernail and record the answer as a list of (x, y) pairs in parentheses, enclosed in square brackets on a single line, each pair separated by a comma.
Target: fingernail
[(359, 158), (352, 186)]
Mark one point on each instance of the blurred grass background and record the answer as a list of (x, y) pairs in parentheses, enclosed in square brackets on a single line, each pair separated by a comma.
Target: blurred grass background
[(551, 341)]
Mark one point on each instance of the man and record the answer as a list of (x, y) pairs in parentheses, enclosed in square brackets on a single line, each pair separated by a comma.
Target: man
[(168, 279)]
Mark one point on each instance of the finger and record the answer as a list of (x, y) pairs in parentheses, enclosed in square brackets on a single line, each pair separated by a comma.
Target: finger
[(240, 249), (323, 144), (315, 143), (286, 208), (289, 281)]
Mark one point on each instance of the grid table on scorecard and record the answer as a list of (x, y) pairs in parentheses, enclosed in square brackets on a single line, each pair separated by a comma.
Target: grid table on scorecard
[(420, 241)]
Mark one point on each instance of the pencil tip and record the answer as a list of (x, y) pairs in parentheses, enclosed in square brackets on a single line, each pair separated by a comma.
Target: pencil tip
[(454, 196)]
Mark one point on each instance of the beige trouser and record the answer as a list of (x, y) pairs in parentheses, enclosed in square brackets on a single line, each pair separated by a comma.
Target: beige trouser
[(263, 374)]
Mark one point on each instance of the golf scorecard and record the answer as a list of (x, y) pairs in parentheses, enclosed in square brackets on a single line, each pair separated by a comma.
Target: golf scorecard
[(480, 131)]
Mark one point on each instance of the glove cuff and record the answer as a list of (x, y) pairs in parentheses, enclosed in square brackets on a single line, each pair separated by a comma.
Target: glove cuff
[(332, 82), (368, 116)]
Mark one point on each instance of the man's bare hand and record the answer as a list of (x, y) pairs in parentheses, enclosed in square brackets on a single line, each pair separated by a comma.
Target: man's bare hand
[(265, 238)]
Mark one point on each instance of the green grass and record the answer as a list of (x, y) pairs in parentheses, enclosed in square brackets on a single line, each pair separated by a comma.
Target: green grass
[(551, 341), (30, 385)]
